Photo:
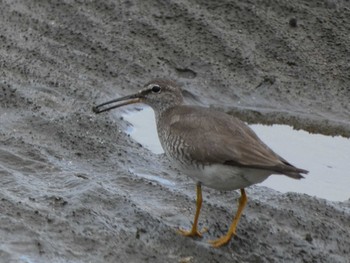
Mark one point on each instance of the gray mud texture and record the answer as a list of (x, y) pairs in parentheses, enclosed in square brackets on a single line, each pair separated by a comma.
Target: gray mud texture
[(68, 187)]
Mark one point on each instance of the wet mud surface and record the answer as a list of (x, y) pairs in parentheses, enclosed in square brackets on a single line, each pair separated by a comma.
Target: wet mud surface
[(69, 190)]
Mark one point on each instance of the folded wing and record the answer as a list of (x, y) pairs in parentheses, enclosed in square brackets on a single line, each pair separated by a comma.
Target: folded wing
[(226, 140)]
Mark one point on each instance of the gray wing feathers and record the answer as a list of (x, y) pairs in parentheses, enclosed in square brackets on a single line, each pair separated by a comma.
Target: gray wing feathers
[(224, 139)]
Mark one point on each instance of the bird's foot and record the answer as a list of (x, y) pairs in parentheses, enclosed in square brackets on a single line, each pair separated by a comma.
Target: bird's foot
[(192, 233), (221, 241)]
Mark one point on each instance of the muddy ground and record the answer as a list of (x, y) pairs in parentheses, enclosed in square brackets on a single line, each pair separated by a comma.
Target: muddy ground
[(68, 190)]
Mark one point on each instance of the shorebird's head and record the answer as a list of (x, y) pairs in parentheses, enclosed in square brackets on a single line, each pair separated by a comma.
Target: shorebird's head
[(160, 94)]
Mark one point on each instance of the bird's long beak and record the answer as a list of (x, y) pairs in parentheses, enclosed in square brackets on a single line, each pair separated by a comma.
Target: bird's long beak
[(130, 99)]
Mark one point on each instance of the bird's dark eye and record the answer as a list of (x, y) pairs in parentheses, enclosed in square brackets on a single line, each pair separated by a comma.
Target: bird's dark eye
[(155, 89)]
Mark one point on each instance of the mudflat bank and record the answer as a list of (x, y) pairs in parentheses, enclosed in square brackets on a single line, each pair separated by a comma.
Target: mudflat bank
[(71, 189)]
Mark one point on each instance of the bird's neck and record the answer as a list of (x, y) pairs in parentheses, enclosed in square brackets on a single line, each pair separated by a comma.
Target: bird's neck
[(161, 114)]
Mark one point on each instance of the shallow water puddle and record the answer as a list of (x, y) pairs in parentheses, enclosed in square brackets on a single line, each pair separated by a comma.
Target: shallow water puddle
[(327, 158)]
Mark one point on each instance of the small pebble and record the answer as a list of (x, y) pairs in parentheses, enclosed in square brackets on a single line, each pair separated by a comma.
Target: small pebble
[(293, 22), (308, 237)]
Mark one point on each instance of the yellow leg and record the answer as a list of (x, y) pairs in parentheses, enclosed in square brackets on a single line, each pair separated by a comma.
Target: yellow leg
[(232, 231), (194, 231)]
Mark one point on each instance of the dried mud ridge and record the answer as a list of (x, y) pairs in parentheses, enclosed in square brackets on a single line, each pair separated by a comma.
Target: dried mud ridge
[(69, 185)]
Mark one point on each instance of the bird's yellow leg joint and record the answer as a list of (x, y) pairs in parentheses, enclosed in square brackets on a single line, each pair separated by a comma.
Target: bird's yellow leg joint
[(232, 231), (194, 231)]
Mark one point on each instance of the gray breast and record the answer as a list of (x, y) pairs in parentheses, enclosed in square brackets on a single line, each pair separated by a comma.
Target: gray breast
[(173, 145), (177, 149)]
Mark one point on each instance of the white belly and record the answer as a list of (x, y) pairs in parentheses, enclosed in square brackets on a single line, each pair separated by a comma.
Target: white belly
[(225, 177)]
